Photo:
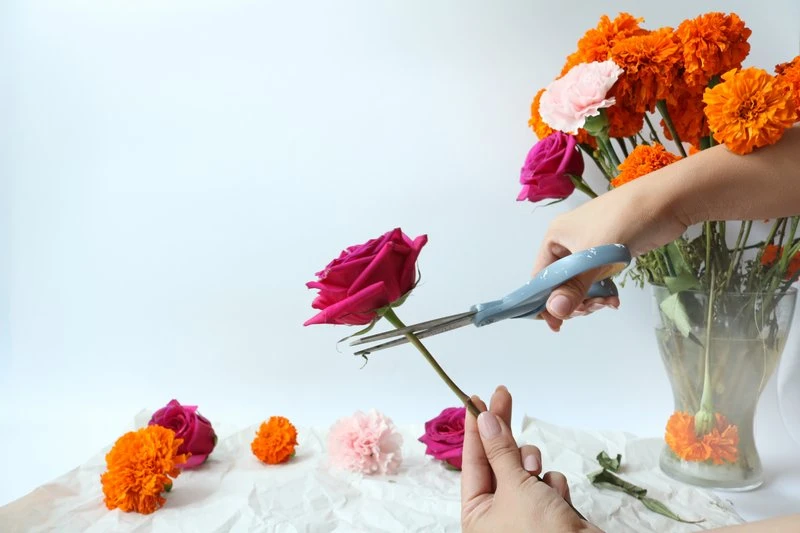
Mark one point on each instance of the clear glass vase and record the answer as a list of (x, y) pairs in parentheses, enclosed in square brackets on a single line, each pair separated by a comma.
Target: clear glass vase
[(717, 377)]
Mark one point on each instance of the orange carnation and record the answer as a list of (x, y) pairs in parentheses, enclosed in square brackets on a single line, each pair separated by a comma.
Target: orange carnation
[(643, 160), (789, 73), (749, 109), (139, 468), (651, 64), (596, 44), (719, 445), (711, 44), (773, 252), (275, 441)]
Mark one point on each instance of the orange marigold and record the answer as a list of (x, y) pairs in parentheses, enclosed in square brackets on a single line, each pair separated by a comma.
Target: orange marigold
[(773, 252), (596, 44), (139, 468), (749, 109), (275, 441), (651, 64), (719, 445), (688, 116), (789, 73), (623, 121), (711, 44), (643, 160)]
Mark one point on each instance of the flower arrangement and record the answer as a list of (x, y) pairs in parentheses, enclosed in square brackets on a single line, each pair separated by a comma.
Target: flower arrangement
[(275, 441), (621, 82), (368, 443)]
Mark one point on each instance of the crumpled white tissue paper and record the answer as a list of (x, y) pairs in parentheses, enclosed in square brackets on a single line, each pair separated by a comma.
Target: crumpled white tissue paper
[(234, 492)]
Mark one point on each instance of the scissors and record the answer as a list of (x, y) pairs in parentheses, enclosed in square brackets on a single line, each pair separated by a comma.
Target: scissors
[(528, 301)]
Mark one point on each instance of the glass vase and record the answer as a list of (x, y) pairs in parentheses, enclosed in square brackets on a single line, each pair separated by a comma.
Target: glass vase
[(717, 376)]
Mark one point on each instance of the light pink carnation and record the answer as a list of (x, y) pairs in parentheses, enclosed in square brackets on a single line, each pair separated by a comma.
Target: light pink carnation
[(367, 443), (580, 93)]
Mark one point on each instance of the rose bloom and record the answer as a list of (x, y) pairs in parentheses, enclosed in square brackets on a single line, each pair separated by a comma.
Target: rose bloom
[(547, 168)]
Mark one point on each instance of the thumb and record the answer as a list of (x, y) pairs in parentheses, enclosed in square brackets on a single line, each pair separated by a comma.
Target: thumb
[(501, 450), (566, 298)]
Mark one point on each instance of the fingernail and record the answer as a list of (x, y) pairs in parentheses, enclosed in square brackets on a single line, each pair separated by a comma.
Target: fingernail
[(488, 426), (560, 305), (530, 463), (596, 307)]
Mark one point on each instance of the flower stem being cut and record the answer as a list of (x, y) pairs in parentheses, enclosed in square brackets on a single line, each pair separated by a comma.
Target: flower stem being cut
[(394, 320)]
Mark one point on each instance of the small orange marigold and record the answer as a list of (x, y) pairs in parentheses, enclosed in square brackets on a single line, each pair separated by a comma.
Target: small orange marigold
[(275, 441), (643, 160)]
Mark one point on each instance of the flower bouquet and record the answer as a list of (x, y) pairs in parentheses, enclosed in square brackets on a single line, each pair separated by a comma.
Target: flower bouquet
[(724, 295)]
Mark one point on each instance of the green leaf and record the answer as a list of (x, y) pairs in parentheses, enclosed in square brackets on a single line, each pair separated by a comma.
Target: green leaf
[(361, 331), (608, 463), (606, 478), (683, 282), (676, 259), (673, 309), (658, 507)]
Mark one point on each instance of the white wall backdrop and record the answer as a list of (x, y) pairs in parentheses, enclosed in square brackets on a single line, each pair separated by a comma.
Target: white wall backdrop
[(174, 172)]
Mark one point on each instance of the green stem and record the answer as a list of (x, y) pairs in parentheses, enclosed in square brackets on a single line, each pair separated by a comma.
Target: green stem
[(662, 108), (706, 400), (632, 140), (653, 134), (605, 143), (582, 186), (398, 324), (644, 141), (590, 152), (621, 143)]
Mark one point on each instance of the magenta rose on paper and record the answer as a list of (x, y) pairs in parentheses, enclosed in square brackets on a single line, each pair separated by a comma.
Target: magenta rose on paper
[(545, 174), (444, 436), (198, 436), (365, 278)]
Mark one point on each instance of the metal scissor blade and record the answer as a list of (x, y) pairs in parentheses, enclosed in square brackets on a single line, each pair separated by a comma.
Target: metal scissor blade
[(464, 319), (412, 328)]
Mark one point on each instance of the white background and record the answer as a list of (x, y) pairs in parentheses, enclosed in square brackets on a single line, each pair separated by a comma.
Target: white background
[(174, 172)]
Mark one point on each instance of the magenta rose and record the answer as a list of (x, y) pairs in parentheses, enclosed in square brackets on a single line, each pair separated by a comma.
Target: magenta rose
[(444, 436), (547, 168), (365, 278), (198, 436)]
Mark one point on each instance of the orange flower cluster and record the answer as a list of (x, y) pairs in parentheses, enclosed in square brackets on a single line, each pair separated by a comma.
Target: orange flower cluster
[(789, 73), (139, 468), (711, 44), (597, 43), (749, 109), (687, 112), (643, 160), (720, 445), (275, 441), (773, 252)]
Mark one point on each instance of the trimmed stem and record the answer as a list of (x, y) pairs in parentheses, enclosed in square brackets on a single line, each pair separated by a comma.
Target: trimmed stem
[(653, 134), (394, 320), (662, 108), (706, 400)]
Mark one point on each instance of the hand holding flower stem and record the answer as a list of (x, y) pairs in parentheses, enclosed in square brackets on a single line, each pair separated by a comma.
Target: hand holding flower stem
[(394, 320)]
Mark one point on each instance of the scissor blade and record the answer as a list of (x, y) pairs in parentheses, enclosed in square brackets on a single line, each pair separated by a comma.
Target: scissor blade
[(412, 328), (456, 323)]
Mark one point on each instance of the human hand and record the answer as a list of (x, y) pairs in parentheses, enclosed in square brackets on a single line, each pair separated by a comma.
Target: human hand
[(636, 215), (500, 490)]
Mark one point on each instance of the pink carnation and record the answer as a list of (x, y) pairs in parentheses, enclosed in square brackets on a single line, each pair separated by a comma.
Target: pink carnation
[(367, 443), (580, 93)]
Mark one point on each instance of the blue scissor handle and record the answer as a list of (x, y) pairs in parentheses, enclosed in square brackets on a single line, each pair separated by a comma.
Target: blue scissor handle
[(530, 299)]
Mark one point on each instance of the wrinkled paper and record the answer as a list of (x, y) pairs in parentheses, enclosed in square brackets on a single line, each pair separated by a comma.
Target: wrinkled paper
[(234, 492)]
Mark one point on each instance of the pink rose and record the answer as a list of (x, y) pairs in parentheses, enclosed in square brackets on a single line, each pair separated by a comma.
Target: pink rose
[(581, 93), (444, 436), (546, 169), (365, 278), (198, 436)]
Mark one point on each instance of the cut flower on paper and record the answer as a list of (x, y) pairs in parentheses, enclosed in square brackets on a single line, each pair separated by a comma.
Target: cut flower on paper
[(139, 468), (275, 441), (368, 443)]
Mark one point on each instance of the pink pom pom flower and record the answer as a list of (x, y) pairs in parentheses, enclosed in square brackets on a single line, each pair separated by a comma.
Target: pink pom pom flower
[(581, 93), (365, 442)]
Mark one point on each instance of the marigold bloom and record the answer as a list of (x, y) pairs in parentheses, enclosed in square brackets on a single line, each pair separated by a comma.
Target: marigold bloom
[(772, 253), (275, 441), (622, 120), (749, 109), (688, 116), (596, 44), (711, 44), (139, 468), (651, 66), (643, 160), (719, 445), (789, 73)]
